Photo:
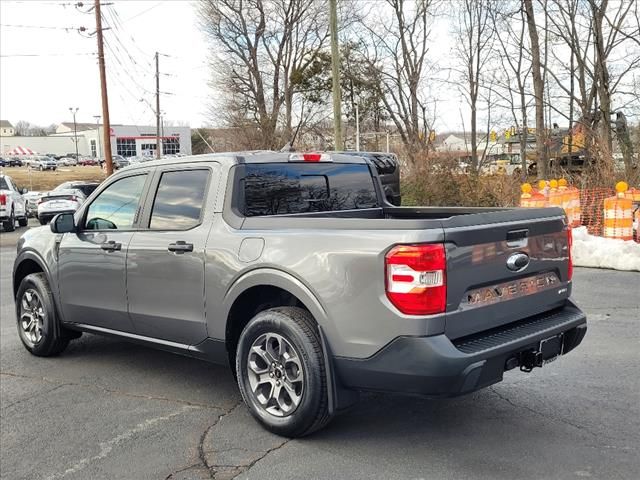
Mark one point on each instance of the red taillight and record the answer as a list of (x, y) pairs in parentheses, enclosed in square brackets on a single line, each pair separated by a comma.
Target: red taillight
[(3, 199), (309, 157), (416, 278), (569, 246)]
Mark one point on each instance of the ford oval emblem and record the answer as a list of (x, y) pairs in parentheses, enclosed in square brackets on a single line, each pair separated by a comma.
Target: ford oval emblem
[(518, 262)]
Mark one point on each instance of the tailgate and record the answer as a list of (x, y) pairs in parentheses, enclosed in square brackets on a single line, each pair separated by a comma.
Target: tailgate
[(504, 266)]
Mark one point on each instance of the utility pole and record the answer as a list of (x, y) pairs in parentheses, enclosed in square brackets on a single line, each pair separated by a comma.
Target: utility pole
[(335, 75), (97, 117), (103, 87), (75, 129), (158, 144), (357, 129)]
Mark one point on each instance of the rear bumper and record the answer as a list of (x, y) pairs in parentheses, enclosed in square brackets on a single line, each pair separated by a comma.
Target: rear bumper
[(49, 215), (439, 367)]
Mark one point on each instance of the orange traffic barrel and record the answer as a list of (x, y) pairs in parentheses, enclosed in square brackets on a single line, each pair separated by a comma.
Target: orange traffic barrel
[(525, 196), (618, 215)]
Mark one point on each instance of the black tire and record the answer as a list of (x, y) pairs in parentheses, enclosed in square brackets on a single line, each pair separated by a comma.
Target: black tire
[(54, 338), (297, 327), (10, 224), (23, 221), (43, 221)]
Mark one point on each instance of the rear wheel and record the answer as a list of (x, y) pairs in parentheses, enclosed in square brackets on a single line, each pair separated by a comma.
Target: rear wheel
[(10, 224), (280, 371), (38, 326), (23, 221)]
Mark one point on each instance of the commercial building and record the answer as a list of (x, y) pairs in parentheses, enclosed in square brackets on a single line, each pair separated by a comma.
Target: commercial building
[(126, 140)]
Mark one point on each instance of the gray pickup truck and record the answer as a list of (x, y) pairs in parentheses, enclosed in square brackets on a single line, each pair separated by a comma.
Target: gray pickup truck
[(293, 269)]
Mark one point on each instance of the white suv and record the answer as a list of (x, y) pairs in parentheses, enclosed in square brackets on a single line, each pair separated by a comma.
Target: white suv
[(12, 205)]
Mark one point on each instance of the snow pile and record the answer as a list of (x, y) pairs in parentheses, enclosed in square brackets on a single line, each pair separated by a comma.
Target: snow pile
[(591, 251)]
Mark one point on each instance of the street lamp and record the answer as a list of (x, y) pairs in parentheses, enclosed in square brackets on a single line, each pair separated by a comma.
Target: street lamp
[(97, 117), (75, 128)]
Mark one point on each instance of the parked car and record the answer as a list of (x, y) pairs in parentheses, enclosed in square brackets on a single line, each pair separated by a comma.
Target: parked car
[(44, 163), (68, 161), (15, 162), (12, 205), (294, 270), (58, 201), (85, 161), (86, 188), (31, 200), (118, 162)]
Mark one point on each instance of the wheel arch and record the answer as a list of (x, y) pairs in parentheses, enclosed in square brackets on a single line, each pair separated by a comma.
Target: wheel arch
[(27, 263), (258, 290)]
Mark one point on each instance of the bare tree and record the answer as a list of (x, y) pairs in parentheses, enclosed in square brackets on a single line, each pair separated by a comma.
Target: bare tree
[(475, 34), (399, 54), (24, 128), (538, 88), (596, 32), (510, 26), (260, 45)]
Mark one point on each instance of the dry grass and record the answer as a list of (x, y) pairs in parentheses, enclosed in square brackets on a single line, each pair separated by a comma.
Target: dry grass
[(47, 180)]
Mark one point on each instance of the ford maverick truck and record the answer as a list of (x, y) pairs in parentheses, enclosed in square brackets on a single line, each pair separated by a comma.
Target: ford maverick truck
[(294, 270)]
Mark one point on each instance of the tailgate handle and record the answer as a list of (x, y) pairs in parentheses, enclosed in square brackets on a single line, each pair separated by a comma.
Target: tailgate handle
[(517, 238)]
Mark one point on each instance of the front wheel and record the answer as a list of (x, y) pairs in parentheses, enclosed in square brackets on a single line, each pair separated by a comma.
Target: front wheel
[(23, 221), (280, 371), (38, 326)]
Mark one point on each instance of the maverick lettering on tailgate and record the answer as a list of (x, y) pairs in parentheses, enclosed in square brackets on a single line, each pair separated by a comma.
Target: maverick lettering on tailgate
[(509, 290)]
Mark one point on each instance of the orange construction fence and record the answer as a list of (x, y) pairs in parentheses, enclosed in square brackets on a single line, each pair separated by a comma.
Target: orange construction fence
[(609, 212)]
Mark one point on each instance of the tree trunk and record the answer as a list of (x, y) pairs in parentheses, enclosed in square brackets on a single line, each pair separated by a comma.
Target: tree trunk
[(524, 136), (602, 75), (474, 141), (538, 88)]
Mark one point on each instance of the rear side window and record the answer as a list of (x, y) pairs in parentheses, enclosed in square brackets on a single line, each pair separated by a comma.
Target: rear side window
[(281, 188), (179, 199)]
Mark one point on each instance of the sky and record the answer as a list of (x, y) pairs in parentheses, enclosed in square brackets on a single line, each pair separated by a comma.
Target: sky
[(45, 71), (48, 66)]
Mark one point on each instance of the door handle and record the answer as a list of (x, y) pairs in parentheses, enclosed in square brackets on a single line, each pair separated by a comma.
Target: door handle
[(180, 247), (111, 246)]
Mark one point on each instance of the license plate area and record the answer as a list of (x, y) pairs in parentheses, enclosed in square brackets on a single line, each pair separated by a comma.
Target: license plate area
[(551, 348)]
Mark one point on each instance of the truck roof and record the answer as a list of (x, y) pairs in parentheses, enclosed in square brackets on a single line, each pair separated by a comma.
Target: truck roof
[(235, 158)]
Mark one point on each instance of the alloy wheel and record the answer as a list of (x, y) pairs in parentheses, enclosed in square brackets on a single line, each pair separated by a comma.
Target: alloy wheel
[(31, 316), (275, 374)]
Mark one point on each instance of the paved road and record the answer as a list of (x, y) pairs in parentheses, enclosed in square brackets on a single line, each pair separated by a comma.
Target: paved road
[(108, 409)]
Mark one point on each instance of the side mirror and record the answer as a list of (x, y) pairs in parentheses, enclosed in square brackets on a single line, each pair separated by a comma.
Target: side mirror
[(24, 190), (63, 223)]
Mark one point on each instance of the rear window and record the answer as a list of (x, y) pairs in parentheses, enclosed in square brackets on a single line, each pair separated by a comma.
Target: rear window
[(285, 188)]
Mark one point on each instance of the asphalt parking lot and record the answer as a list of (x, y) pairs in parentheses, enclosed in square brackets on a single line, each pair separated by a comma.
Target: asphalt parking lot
[(109, 409)]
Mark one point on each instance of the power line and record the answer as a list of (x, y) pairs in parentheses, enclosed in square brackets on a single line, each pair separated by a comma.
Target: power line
[(45, 27), (142, 12), (46, 54)]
